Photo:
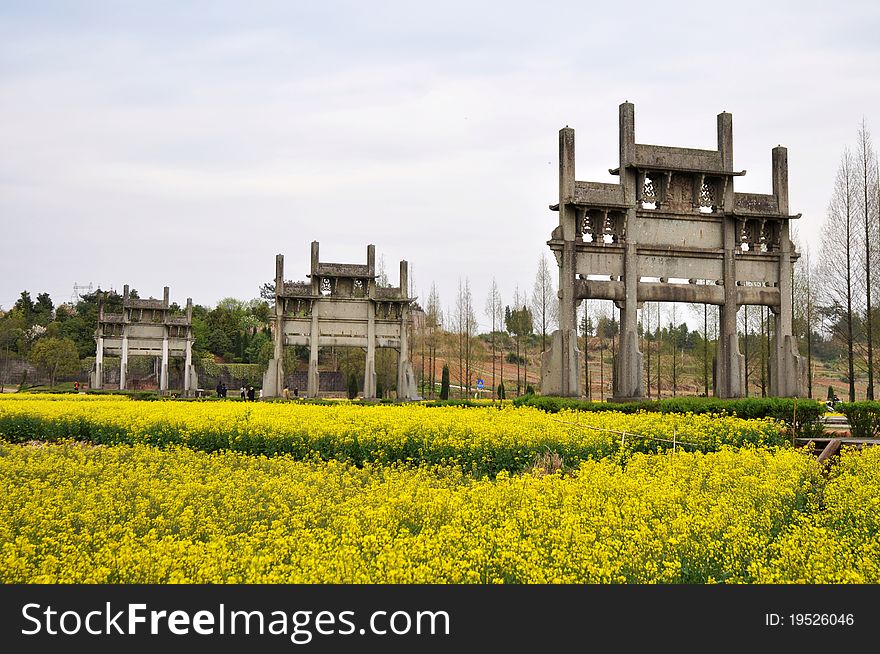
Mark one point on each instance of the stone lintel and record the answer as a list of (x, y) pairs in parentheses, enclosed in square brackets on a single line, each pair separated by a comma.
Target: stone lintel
[(681, 169), (150, 303), (600, 195), (590, 289), (352, 270), (755, 203)]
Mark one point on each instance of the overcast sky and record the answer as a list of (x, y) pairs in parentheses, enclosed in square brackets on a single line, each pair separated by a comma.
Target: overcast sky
[(185, 144)]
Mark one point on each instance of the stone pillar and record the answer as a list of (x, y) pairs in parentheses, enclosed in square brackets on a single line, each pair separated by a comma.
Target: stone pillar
[(370, 366), (402, 359), (123, 360), (163, 371), (187, 374), (313, 383), (725, 140), (406, 383), (787, 370), (273, 378), (629, 382), (730, 376), (560, 369), (628, 379), (97, 380)]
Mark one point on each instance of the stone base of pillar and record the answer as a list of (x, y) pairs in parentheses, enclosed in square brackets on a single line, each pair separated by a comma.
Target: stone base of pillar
[(370, 382), (407, 389), (96, 377), (791, 381), (629, 380), (193, 382), (553, 368), (732, 372), (270, 379), (313, 381)]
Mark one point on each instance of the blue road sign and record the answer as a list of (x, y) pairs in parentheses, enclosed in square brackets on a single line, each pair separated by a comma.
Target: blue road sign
[(480, 384)]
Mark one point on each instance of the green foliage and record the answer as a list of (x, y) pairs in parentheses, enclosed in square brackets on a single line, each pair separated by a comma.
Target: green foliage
[(147, 396), (484, 440), (219, 342), (56, 356), (501, 394), (863, 417), (26, 307), (809, 412), (444, 383), (259, 346), (352, 386), (458, 403), (518, 321), (43, 309), (607, 328), (12, 328)]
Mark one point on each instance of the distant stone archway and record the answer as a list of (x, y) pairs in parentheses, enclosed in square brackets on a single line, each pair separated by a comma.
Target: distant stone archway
[(145, 328), (341, 306)]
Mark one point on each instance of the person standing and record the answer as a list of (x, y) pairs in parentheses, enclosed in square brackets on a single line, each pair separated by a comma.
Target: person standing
[(251, 394), (286, 393), (243, 393)]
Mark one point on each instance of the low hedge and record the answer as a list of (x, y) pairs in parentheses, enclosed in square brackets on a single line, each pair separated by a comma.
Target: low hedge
[(809, 412), (863, 417)]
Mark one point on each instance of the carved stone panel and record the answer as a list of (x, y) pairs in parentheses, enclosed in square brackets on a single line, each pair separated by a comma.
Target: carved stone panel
[(680, 197)]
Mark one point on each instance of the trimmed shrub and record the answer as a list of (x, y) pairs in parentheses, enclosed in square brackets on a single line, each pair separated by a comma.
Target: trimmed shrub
[(809, 412), (863, 417)]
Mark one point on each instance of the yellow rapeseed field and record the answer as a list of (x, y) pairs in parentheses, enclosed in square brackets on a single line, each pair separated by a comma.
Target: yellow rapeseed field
[(482, 440), (839, 540), (78, 513)]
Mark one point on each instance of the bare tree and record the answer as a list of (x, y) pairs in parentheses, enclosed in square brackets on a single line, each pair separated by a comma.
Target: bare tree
[(470, 327), (545, 304), (587, 328), (673, 336), (804, 303), (659, 342), (837, 267), (866, 177), (434, 320), (465, 325), (495, 312), (706, 314), (647, 334), (520, 324)]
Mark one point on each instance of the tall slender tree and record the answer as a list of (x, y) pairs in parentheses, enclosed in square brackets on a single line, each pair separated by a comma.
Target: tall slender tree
[(435, 324), (544, 301), (647, 335), (866, 178), (587, 332), (495, 313), (837, 267)]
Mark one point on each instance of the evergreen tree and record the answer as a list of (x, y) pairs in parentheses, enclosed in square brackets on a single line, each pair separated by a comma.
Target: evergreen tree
[(444, 383)]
